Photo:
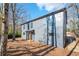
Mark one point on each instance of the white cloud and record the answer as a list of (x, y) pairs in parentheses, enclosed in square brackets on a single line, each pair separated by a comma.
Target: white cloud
[(50, 6)]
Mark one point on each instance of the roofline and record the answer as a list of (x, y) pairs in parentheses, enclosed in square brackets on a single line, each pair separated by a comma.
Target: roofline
[(52, 13)]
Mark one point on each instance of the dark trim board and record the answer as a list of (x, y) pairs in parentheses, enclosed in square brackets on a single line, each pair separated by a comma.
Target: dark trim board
[(63, 9)]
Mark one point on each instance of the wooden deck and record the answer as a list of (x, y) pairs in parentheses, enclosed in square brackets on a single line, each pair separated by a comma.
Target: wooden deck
[(32, 48)]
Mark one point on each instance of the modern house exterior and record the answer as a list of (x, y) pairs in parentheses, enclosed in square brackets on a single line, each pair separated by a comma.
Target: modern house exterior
[(49, 29)]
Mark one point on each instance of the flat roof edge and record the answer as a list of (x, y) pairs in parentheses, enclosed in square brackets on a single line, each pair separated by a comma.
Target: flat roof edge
[(54, 12)]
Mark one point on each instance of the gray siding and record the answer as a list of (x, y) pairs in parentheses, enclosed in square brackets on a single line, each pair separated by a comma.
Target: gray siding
[(55, 26), (59, 29), (40, 27)]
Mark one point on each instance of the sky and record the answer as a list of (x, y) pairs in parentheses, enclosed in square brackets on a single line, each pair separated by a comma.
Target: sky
[(35, 10)]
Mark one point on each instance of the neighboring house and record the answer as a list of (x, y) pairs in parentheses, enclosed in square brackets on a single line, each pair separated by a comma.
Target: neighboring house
[(48, 29)]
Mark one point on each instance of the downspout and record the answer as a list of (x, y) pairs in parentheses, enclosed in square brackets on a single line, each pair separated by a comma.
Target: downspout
[(47, 31), (64, 27)]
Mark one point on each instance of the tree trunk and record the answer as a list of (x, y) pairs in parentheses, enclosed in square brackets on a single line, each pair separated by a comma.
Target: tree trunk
[(0, 36), (0, 44), (5, 35), (14, 18)]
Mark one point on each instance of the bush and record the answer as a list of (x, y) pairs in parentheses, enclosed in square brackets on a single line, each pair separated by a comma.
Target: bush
[(10, 35), (17, 34)]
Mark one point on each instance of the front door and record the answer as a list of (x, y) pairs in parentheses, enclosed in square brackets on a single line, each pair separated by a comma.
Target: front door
[(27, 35), (30, 35), (33, 36)]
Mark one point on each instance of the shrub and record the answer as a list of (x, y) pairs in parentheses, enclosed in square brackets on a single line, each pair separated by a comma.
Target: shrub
[(17, 34), (10, 35)]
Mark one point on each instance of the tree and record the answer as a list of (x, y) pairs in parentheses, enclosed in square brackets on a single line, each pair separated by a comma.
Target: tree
[(13, 5), (0, 19), (5, 35), (73, 15), (77, 13), (17, 14), (0, 25)]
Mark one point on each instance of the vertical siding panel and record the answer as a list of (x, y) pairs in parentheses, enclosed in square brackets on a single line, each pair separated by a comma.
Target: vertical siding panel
[(59, 29)]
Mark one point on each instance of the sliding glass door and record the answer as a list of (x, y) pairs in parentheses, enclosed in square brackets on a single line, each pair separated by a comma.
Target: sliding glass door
[(51, 31)]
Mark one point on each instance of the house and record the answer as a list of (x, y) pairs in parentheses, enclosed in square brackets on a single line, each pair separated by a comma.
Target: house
[(49, 29)]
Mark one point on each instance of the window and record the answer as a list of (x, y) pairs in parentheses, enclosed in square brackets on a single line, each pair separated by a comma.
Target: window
[(31, 25), (24, 27), (23, 33), (28, 26)]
